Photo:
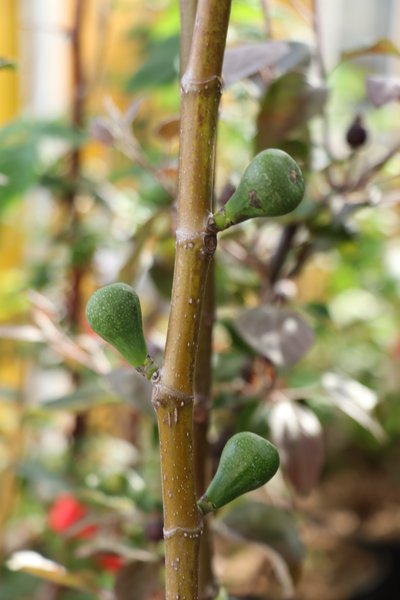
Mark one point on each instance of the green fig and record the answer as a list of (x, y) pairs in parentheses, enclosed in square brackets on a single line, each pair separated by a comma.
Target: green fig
[(247, 462), (272, 185), (114, 313)]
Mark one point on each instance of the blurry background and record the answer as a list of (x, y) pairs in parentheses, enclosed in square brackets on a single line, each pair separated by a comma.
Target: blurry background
[(88, 157)]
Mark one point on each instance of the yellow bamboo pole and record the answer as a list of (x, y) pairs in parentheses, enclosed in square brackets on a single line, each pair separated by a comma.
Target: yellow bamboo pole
[(8, 49), (11, 241)]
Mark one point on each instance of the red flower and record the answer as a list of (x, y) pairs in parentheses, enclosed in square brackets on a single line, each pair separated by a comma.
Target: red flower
[(110, 562), (65, 512)]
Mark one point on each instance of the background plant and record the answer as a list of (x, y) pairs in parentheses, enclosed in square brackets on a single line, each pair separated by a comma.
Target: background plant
[(338, 254)]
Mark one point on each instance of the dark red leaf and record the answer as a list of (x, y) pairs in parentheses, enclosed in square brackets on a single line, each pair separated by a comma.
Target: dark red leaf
[(288, 105)]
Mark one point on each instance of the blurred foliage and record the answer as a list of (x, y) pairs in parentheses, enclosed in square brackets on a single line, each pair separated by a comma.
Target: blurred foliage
[(74, 419)]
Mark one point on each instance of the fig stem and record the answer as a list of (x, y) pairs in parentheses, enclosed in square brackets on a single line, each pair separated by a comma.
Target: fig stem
[(205, 506), (148, 368), (173, 392), (220, 221)]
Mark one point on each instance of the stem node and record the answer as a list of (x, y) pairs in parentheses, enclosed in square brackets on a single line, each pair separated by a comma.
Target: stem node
[(186, 532), (190, 85)]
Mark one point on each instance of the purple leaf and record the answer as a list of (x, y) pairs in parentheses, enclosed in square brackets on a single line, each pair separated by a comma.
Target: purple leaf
[(297, 433), (280, 335), (298, 58), (246, 60), (382, 89), (101, 131)]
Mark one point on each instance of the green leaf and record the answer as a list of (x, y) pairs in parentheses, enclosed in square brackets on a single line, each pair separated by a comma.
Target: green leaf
[(17, 170), (85, 397), (160, 68), (6, 63), (118, 385), (18, 585), (20, 160), (21, 130)]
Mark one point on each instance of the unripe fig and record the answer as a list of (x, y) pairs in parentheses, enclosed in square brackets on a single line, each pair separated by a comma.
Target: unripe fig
[(247, 462), (114, 313), (272, 185)]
